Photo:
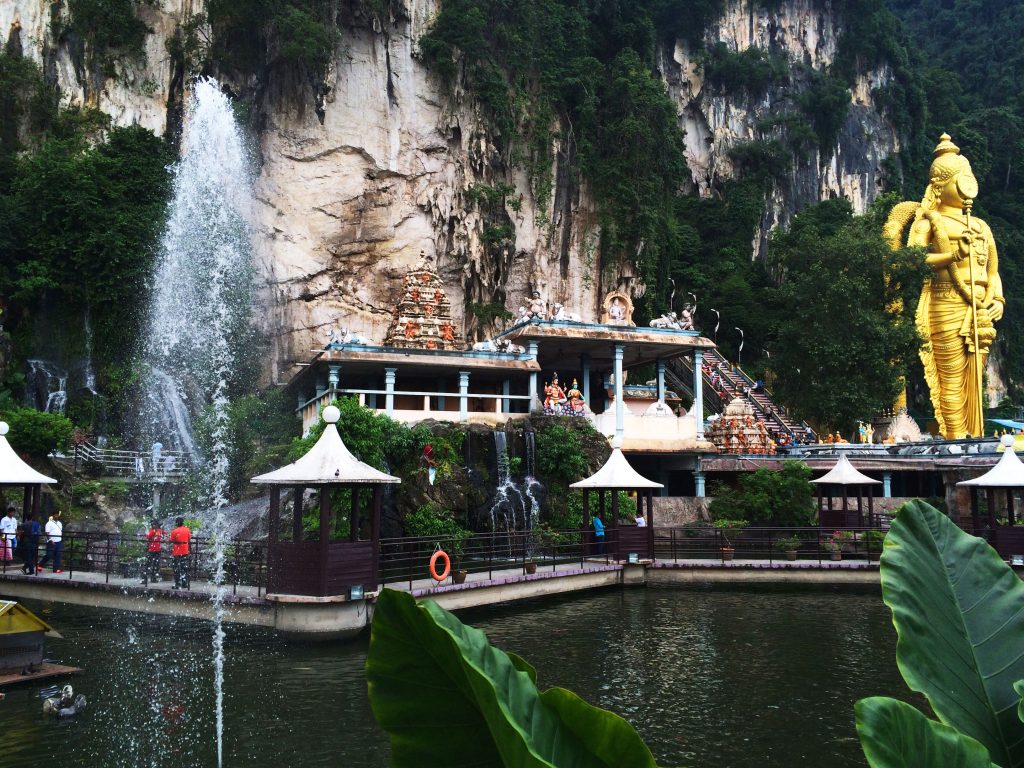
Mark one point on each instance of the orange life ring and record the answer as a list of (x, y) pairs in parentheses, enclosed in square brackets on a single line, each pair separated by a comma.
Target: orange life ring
[(433, 565)]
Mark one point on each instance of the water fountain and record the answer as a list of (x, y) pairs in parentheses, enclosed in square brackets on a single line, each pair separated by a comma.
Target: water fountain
[(199, 317)]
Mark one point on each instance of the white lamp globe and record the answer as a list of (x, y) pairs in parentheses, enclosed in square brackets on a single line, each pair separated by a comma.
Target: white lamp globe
[(331, 414)]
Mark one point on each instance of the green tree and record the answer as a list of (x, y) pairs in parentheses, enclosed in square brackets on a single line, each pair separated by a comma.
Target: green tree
[(36, 433), (783, 498), (845, 324)]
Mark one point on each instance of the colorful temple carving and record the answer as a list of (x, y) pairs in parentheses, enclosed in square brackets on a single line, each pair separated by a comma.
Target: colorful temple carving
[(423, 317), (739, 431)]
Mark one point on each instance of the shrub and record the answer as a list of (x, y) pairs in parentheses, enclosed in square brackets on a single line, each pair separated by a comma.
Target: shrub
[(36, 433)]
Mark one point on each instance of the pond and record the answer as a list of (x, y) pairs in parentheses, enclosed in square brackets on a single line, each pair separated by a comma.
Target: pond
[(709, 678)]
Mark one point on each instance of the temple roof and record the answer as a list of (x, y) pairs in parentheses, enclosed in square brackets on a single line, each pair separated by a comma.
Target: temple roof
[(1007, 473), (14, 471), (328, 462), (844, 473), (616, 474)]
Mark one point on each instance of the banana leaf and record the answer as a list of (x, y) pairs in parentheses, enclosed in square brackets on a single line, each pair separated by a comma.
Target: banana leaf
[(959, 614), (446, 696), (894, 734)]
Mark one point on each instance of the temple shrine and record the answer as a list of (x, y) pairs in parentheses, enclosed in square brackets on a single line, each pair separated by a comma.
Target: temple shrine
[(738, 431), (423, 316)]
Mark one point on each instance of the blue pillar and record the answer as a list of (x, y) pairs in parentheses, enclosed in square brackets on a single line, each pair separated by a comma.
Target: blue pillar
[(698, 481), (661, 381), (698, 394), (585, 374), (620, 406), (887, 485), (389, 387), (463, 395), (531, 350), (333, 376)]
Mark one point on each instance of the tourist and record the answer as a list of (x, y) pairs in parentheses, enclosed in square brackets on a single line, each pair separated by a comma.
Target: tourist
[(54, 543), (641, 521), (599, 533), (155, 452), (9, 532), (31, 545), (154, 539), (180, 538)]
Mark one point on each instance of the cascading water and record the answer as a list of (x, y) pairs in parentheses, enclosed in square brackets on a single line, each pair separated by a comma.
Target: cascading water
[(199, 316), (515, 507), (89, 373), (46, 386)]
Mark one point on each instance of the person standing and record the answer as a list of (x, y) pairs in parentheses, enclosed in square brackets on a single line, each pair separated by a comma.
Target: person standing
[(599, 533), (154, 543), (9, 532), (180, 537), (54, 543), (31, 545)]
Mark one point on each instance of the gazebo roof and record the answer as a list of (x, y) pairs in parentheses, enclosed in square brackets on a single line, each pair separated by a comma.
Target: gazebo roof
[(1007, 473), (14, 471), (844, 473), (616, 474), (328, 462)]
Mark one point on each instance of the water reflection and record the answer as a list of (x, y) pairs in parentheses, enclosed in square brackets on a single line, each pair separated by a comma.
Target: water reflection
[(708, 678)]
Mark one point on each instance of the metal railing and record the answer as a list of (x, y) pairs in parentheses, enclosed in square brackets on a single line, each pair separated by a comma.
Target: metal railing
[(770, 544), (169, 465), (120, 557), (408, 559)]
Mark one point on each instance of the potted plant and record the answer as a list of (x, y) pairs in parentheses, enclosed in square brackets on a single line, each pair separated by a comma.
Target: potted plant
[(873, 541), (728, 528), (457, 550), (833, 547), (789, 546)]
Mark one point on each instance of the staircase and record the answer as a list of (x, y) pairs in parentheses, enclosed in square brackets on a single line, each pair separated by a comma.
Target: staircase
[(733, 382)]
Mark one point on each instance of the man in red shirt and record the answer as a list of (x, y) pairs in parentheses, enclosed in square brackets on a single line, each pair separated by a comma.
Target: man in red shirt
[(154, 539), (180, 537)]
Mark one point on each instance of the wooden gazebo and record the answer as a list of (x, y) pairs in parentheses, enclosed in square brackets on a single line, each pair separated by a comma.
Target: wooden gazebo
[(845, 478), (325, 568), (617, 475), (15, 473), (1001, 483)]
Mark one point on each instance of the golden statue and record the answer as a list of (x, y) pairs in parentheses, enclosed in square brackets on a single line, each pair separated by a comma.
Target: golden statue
[(963, 297)]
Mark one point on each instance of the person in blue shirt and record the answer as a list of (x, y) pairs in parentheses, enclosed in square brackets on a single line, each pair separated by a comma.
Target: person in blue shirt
[(599, 533), (32, 532)]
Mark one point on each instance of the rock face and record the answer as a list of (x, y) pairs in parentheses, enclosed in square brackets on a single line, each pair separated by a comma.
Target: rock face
[(351, 192)]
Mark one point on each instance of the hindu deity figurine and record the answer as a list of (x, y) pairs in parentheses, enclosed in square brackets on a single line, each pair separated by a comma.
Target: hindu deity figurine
[(963, 298), (538, 308), (576, 405), (554, 398)]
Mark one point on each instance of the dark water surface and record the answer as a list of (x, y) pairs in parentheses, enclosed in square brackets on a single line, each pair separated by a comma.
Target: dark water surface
[(708, 678)]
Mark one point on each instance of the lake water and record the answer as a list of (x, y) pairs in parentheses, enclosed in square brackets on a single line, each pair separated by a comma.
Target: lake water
[(708, 679)]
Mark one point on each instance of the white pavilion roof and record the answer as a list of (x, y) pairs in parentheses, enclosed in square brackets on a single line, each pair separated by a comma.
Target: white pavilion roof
[(617, 473), (844, 473), (328, 462), (1007, 473), (14, 471)]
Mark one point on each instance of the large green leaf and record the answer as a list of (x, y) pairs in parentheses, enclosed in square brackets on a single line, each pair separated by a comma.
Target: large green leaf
[(895, 735), (1019, 688), (959, 612), (448, 697)]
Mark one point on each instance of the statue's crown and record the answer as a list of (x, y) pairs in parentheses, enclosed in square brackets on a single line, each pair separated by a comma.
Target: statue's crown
[(945, 146)]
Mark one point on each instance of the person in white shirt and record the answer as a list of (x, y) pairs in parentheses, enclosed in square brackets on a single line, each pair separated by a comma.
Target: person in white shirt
[(641, 522), (54, 543), (9, 531)]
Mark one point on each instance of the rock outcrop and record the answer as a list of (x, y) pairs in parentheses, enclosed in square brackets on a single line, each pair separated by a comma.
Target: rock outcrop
[(351, 191)]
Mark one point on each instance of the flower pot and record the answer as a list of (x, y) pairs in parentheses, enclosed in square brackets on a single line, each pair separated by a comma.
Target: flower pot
[(874, 557), (837, 555), (791, 554), (727, 553), (459, 577), (531, 568)]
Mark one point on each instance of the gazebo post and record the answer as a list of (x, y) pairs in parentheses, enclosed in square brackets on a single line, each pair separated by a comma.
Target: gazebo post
[(297, 513), (325, 534), (354, 517), (990, 502), (26, 501), (1010, 517), (975, 511), (650, 521), (821, 507), (846, 505), (586, 520), (860, 507), (871, 507), (378, 494), (274, 518), (615, 523), (37, 498)]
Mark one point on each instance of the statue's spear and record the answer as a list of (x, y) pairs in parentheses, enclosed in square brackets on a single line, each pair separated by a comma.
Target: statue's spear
[(969, 236)]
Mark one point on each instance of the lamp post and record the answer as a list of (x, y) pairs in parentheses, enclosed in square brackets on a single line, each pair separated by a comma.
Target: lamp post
[(739, 352)]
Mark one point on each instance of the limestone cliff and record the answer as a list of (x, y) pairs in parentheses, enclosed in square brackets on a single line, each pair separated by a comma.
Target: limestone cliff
[(351, 191)]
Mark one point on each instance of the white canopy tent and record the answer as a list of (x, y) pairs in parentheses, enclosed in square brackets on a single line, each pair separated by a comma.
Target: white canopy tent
[(15, 473), (845, 476), (1007, 476)]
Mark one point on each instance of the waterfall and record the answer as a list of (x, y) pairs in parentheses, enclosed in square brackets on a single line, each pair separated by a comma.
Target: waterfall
[(199, 316), (46, 386), (89, 371), (515, 506)]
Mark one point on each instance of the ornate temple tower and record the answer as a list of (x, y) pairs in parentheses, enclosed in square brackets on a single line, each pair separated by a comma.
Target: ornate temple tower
[(423, 317)]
